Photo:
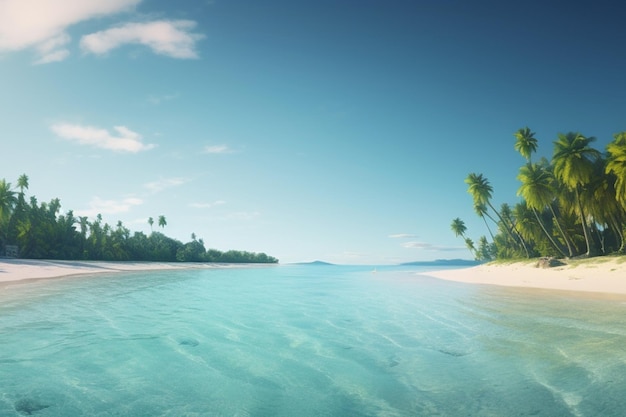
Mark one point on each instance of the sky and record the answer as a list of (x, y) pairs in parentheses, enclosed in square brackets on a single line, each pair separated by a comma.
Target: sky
[(335, 130)]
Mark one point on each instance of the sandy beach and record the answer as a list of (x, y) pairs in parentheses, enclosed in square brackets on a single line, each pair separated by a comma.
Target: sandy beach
[(597, 275), (12, 270)]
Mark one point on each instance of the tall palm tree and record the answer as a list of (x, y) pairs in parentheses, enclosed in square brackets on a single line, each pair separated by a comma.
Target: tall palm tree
[(573, 162), (616, 164), (537, 191), (22, 183), (481, 190), (525, 142), (150, 222), (162, 221), (481, 211)]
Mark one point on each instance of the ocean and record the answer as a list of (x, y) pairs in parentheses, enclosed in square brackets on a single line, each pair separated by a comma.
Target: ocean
[(303, 340)]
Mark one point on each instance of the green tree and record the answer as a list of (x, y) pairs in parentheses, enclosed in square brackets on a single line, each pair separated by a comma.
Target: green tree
[(150, 222), (525, 142), (573, 162), (481, 191), (481, 210), (537, 190), (7, 204), (162, 221), (616, 164)]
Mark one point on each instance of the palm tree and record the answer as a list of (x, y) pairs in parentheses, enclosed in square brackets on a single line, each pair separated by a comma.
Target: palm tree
[(573, 162), (458, 227), (7, 203), (470, 246), (162, 221), (22, 183), (480, 189), (616, 164), (150, 222), (481, 211), (525, 142), (536, 189)]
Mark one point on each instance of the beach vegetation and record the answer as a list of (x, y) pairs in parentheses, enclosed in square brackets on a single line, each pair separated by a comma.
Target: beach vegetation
[(41, 231), (570, 206)]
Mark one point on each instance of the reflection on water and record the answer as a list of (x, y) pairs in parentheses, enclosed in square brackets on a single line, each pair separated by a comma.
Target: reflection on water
[(306, 341)]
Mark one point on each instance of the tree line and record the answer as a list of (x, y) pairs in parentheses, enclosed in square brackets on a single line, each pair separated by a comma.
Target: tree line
[(40, 231), (571, 205)]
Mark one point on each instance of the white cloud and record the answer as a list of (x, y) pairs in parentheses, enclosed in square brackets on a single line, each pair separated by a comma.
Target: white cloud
[(52, 50), (207, 205), (42, 23), (216, 149), (100, 206), (243, 215), (172, 38), (164, 183), (156, 100), (403, 236), (430, 246), (125, 141)]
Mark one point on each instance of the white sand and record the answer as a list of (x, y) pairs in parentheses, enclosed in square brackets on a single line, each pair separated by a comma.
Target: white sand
[(598, 275), (24, 269)]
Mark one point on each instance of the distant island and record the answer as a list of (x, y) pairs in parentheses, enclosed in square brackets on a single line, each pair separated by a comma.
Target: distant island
[(319, 263), (444, 262), (33, 230)]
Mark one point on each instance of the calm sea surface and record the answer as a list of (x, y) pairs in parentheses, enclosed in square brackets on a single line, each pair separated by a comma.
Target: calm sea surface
[(299, 341)]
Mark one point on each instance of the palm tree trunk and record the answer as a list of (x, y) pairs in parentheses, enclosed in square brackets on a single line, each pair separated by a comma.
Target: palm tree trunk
[(548, 234), (510, 230), (590, 247), (488, 228), (566, 238)]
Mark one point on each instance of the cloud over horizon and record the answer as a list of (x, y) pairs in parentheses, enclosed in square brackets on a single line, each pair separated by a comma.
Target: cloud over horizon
[(125, 141), (207, 205), (164, 183), (171, 38), (430, 247), (217, 149), (403, 236), (100, 206), (42, 24)]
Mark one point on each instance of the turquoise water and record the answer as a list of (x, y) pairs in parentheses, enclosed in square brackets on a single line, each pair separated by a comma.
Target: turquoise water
[(305, 341)]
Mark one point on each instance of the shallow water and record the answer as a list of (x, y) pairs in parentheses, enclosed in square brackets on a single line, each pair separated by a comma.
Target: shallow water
[(305, 341)]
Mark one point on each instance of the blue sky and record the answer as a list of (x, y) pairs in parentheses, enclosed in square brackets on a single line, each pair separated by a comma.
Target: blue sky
[(334, 130)]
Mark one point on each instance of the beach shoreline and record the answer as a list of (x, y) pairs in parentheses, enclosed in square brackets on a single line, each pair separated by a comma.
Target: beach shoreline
[(21, 270), (602, 275)]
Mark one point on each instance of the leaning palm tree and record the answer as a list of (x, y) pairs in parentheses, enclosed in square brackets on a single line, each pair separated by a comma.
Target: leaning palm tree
[(525, 142), (480, 189), (469, 243), (481, 211), (458, 227), (162, 221), (573, 162), (537, 190)]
